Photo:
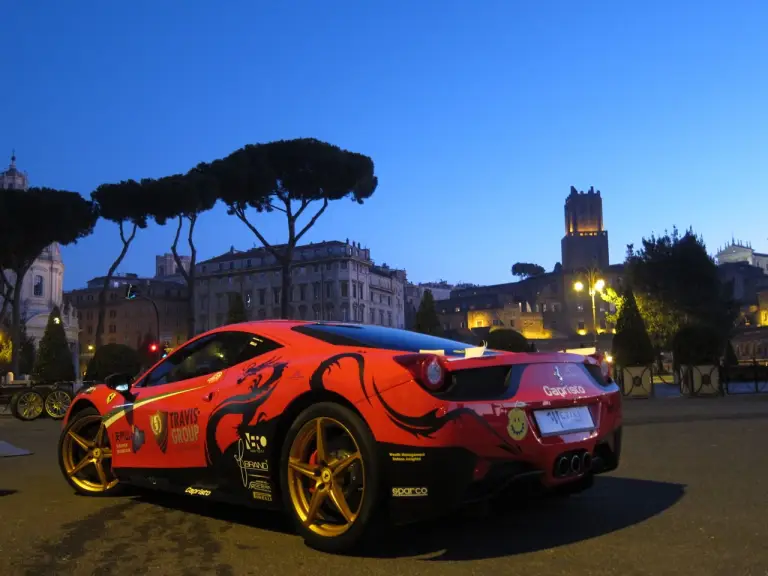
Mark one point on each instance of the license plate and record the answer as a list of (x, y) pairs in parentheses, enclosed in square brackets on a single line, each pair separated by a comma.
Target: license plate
[(564, 420)]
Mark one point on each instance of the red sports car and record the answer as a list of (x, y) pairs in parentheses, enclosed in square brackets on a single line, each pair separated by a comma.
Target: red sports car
[(339, 423)]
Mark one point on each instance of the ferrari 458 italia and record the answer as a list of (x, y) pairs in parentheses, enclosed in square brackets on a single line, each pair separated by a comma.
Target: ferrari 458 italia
[(343, 424)]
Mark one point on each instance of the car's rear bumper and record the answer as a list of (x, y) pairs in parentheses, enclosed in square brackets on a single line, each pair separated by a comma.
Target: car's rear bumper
[(426, 482)]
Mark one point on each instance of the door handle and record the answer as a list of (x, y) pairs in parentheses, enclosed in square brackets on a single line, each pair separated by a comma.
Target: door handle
[(208, 396)]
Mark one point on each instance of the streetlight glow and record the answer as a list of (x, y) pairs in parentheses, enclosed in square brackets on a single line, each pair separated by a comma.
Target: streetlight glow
[(578, 286), (599, 285), (593, 286)]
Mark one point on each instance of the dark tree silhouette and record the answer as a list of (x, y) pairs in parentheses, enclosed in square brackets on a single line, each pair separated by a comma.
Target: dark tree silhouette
[(183, 198), (125, 205), (31, 220), (508, 340), (236, 309), (290, 176), (427, 321), (526, 270), (631, 344), (113, 359), (54, 361)]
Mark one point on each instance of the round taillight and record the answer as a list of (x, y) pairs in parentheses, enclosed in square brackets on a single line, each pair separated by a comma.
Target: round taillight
[(433, 374)]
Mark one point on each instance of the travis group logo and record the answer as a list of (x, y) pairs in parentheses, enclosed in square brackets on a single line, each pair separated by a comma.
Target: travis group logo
[(180, 426), (563, 391)]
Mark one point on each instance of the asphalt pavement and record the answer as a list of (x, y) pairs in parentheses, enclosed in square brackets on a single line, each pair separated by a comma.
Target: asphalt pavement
[(690, 498)]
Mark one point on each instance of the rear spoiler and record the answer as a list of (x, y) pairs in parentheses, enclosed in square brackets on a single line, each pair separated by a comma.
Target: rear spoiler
[(474, 352)]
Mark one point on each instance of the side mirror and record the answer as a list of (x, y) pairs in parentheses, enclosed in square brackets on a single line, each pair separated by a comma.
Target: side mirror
[(121, 381)]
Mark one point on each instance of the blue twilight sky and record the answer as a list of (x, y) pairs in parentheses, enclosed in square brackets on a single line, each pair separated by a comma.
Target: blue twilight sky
[(479, 116)]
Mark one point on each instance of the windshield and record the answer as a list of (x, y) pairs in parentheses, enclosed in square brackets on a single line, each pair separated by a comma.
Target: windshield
[(383, 338)]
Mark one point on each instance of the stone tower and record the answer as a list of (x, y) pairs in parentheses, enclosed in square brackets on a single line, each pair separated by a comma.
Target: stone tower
[(585, 244)]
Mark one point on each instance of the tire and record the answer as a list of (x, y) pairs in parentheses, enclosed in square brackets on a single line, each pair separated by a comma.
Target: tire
[(57, 402), (27, 405), (328, 537), (87, 481)]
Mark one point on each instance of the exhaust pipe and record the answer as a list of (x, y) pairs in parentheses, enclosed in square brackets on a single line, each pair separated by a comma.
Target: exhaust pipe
[(576, 464), (586, 461), (563, 466)]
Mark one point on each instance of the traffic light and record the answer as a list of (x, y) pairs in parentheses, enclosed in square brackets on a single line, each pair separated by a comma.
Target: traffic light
[(130, 292), (153, 347)]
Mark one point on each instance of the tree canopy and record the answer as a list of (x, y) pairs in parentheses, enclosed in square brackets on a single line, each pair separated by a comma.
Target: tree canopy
[(289, 176), (427, 321), (54, 360), (508, 340), (675, 283), (125, 204), (31, 220), (526, 269)]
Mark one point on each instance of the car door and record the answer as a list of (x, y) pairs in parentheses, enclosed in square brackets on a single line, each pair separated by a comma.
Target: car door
[(173, 404)]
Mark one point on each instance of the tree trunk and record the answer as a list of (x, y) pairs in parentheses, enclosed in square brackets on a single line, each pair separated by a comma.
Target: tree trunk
[(189, 277), (287, 286), (107, 280), (16, 320)]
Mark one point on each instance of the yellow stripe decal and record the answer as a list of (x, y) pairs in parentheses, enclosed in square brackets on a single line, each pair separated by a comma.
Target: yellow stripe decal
[(112, 418)]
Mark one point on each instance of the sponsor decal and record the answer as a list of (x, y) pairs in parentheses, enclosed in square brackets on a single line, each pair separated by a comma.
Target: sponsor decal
[(197, 491), (406, 456), (409, 492), (260, 486), (216, 377), (517, 424), (89, 390), (249, 469), (111, 397), (255, 443), (137, 440), (261, 496), (181, 427), (123, 441), (120, 411), (563, 391)]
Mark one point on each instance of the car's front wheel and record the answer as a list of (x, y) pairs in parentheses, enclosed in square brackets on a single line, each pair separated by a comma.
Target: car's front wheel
[(330, 477), (85, 455)]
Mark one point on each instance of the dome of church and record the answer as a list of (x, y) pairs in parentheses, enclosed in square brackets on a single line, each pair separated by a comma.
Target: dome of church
[(13, 178)]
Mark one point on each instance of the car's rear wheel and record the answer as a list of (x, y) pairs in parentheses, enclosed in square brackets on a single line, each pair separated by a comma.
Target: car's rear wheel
[(330, 477), (85, 455), (27, 405)]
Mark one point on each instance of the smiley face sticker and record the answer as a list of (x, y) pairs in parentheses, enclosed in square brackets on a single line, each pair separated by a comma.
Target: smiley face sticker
[(517, 425)]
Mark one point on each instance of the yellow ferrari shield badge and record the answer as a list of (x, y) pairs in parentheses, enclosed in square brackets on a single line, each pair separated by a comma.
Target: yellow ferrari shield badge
[(111, 397), (517, 425)]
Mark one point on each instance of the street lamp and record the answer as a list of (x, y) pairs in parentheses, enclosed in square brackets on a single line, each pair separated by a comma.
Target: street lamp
[(594, 285)]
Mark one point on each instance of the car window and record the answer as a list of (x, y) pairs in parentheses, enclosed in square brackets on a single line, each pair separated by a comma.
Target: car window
[(209, 355), (381, 337)]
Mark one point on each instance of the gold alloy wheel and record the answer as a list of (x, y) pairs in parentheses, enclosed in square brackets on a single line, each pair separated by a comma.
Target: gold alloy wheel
[(87, 456), (30, 405), (326, 477), (57, 403)]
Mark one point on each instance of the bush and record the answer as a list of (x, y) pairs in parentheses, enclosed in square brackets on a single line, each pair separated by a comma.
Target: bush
[(697, 344), (631, 343), (111, 359), (508, 340)]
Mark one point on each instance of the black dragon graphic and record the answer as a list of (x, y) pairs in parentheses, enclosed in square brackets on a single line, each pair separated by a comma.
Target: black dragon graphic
[(316, 380), (246, 404), (424, 425)]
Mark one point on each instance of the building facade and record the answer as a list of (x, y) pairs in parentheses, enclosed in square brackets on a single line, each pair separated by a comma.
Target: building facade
[(333, 280), (43, 285), (737, 251), (130, 321)]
